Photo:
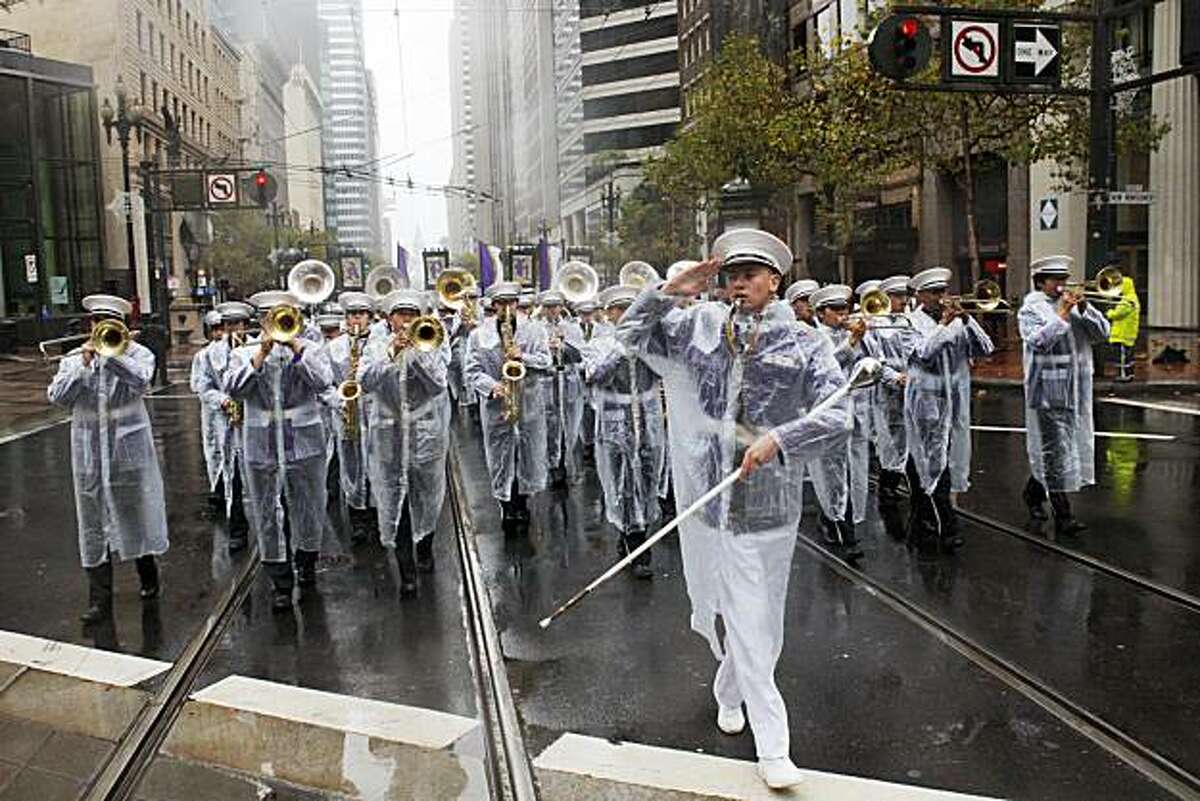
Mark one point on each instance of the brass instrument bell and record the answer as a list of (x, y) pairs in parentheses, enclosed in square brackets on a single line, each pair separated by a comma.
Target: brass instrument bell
[(311, 281), (577, 281), (1104, 288), (638, 274), (283, 324), (110, 337), (984, 297), (426, 333)]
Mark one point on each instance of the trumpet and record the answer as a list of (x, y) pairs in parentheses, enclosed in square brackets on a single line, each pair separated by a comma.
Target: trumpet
[(1104, 288), (984, 297), (875, 309), (283, 324)]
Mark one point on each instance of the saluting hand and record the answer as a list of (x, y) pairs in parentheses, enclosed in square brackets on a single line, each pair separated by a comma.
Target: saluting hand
[(693, 280)]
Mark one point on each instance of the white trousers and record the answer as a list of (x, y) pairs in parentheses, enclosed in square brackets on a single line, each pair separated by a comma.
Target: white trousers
[(753, 594)]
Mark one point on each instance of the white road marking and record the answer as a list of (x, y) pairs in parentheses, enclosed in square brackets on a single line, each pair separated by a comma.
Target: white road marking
[(1105, 434), (78, 661), (1158, 407), (424, 728), (707, 775), (31, 431)]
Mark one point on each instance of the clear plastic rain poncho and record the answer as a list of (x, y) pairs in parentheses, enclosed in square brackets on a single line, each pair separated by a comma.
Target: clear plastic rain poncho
[(410, 432), (564, 395), (891, 346), (119, 503), (209, 384), (840, 474), (630, 433), (587, 431), (283, 443), (457, 333), (212, 424), (937, 399), (512, 450), (1059, 438), (737, 550), (352, 446)]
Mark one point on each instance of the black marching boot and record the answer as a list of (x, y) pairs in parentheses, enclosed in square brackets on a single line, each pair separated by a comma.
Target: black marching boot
[(407, 565), (849, 547), (889, 488), (282, 582), (1034, 496), (147, 570), (1065, 522), (641, 565), (100, 593), (425, 554), (306, 568)]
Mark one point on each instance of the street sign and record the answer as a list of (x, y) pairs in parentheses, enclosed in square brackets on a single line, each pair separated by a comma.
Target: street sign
[(1034, 50), (1131, 198), (974, 50), (1048, 214), (221, 188), (31, 268)]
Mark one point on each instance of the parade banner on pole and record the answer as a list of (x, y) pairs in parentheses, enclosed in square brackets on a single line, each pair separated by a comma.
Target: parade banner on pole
[(487, 268), (402, 264), (543, 258)]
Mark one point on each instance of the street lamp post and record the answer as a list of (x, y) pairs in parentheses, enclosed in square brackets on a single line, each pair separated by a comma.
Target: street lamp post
[(126, 119)]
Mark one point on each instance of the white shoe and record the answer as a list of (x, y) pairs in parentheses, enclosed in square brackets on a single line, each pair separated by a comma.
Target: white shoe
[(731, 719), (779, 774)]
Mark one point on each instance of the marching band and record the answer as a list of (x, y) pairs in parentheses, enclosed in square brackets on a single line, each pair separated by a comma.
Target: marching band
[(663, 386)]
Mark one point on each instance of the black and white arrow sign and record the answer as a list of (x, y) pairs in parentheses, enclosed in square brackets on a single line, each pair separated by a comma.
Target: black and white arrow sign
[(1035, 52)]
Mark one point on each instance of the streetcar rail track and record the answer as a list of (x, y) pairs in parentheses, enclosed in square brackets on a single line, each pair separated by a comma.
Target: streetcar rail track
[(1173, 594), (1156, 767), (509, 772)]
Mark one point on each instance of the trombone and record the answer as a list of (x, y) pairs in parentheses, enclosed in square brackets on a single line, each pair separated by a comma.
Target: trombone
[(1104, 288), (875, 308), (108, 337), (985, 297)]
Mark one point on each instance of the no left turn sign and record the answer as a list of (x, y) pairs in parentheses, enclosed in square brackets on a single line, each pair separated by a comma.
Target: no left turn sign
[(974, 49), (221, 188)]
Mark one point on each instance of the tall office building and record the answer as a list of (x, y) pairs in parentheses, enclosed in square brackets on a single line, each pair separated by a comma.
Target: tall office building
[(568, 81), (629, 79), (351, 199), (535, 149), (483, 114)]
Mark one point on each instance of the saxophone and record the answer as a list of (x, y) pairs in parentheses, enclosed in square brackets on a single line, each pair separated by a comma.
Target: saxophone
[(512, 371), (350, 390), (236, 412)]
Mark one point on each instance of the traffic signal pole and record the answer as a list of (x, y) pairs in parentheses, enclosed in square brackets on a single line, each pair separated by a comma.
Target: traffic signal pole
[(1102, 162)]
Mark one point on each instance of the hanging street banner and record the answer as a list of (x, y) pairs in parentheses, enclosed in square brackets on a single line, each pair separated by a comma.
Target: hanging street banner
[(1035, 48)]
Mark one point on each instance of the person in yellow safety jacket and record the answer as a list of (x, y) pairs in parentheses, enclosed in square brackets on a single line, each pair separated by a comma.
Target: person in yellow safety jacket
[(1125, 317)]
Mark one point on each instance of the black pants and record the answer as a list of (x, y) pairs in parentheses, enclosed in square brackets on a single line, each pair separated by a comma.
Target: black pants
[(239, 526), (932, 512)]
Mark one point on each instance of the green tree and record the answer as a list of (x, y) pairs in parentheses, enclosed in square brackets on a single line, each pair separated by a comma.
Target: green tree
[(239, 252), (656, 228)]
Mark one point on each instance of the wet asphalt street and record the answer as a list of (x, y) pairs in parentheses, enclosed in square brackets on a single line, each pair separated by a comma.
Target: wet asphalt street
[(869, 692)]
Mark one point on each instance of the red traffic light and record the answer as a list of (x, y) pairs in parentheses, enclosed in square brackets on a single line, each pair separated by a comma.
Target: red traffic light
[(260, 179), (909, 28)]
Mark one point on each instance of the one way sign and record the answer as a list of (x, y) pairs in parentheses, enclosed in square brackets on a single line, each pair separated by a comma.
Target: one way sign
[(1034, 53)]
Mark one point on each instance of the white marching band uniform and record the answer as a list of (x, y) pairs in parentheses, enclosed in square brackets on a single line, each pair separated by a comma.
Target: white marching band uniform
[(409, 430), (737, 550), (1057, 357), (211, 422), (284, 444), (514, 451)]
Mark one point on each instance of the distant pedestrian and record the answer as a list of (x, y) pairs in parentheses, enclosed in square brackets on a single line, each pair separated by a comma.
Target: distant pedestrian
[(1126, 318)]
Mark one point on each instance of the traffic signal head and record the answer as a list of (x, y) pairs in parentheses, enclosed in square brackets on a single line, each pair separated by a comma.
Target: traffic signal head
[(900, 47), (260, 186)]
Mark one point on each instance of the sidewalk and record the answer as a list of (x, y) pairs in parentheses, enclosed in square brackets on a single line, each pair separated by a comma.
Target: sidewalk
[(1003, 368), (25, 375)]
